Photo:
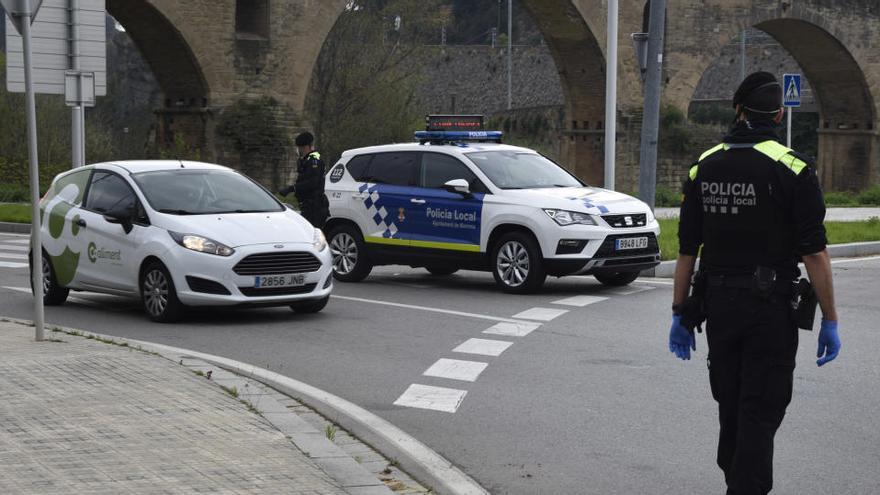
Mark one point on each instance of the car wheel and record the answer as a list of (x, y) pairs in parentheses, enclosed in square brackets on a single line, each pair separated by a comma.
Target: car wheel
[(159, 295), (350, 261), (517, 264), (313, 306), (440, 271), (616, 279), (53, 294)]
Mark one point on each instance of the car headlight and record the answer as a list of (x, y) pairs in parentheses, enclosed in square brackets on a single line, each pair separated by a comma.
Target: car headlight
[(650, 217), (319, 242), (201, 244), (563, 217)]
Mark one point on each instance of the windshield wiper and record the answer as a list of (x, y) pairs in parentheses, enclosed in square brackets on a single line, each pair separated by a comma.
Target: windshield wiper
[(241, 211), (173, 211)]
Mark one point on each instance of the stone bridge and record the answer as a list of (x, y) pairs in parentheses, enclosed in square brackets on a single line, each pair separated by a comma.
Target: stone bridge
[(209, 55)]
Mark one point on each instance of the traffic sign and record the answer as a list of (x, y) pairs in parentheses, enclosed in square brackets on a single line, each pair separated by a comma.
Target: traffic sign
[(791, 90), (55, 32)]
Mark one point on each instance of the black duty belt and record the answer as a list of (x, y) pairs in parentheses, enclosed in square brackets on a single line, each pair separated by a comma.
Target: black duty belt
[(738, 281)]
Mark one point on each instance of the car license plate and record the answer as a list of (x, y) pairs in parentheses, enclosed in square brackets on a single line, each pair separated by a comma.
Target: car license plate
[(269, 281), (631, 243)]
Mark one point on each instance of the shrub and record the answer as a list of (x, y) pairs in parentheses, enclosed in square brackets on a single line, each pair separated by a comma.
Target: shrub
[(870, 196), (838, 198), (667, 197)]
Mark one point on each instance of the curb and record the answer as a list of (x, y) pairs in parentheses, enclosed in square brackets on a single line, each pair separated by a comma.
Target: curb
[(666, 269), (413, 456), (15, 228)]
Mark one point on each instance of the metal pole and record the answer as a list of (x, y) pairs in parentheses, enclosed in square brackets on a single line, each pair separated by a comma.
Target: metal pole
[(788, 140), (742, 55), (651, 114), (36, 243), (611, 95), (77, 121), (509, 54)]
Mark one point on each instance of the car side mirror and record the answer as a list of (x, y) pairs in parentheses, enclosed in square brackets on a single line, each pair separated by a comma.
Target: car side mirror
[(122, 215), (459, 186)]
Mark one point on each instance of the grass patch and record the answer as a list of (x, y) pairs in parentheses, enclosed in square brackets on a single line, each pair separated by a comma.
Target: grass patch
[(330, 432), (15, 212), (233, 391), (837, 232)]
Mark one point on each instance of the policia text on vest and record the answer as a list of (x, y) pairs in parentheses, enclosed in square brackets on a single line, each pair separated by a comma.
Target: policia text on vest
[(752, 209)]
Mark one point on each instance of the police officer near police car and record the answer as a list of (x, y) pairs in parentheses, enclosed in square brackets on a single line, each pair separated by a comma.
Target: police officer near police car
[(309, 185), (752, 209)]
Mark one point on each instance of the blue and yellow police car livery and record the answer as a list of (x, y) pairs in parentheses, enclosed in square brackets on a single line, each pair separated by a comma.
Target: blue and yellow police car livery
[(457, 198)]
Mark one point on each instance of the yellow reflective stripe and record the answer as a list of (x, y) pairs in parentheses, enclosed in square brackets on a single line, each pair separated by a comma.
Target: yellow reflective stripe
[(773, 150), (453, 246), (315, 154), (794, 163), (693, 173), (711, 151)]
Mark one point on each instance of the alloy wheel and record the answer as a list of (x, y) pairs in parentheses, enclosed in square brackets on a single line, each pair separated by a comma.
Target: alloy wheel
[(345, 253), (512, 263), (155, 292), (47, 276)]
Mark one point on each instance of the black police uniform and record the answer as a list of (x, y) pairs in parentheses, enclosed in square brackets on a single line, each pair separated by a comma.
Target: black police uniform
[(309, 189), (751, 202)]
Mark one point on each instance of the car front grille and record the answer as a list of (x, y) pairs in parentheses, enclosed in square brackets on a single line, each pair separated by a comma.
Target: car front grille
[(606, 250), (619, 221), (277, 291), (278, 263)]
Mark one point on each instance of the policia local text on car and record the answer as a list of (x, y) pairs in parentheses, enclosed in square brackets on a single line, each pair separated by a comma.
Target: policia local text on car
[(309, 185), (756, 208)]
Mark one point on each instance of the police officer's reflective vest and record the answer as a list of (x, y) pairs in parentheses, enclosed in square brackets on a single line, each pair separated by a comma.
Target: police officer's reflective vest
[(770, 148)]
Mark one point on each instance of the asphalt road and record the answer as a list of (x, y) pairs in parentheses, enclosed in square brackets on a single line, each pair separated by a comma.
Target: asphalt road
[(590, 401)]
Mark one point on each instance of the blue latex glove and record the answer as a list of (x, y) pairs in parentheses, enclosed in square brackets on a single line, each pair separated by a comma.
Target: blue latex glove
[(829, 342), (680, 340)]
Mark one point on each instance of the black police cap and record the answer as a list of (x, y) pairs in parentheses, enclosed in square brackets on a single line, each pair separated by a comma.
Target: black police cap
[(305, 139), (759, 92)]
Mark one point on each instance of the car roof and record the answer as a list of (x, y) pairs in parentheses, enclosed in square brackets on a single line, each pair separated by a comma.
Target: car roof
[(463, 148), (136, 166)]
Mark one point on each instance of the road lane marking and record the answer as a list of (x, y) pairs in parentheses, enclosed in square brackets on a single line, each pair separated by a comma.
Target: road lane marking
[(13, 256), (455, 369), (541, 314), (579, 301), (660, 281), (483, 347), (13, 247), (434, 398), (10, 264), (425, 308), (512, 329), (627, 291)]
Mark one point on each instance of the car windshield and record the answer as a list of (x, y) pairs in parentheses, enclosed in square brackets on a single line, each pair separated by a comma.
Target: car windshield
[(521, 170), (203, 192)]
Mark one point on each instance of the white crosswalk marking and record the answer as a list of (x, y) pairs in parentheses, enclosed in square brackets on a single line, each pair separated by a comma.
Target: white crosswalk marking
[(626, 291), (14, 247), (13, 256), (11, 264), (580, 301), (434, 398), (512, 329), (541, 314), (17, 241), (455, 369), (483, 347)]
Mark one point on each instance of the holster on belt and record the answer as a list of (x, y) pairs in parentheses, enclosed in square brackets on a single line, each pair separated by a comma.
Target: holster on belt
[(804, 302), (693, 310)]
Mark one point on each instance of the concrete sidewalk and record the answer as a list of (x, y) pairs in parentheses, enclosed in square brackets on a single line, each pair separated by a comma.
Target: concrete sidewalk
[(82, 416)]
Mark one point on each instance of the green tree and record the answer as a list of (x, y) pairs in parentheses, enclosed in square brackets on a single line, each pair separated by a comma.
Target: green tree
[(363, 85)]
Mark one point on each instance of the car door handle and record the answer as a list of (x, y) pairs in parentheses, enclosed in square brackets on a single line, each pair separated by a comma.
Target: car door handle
[(80, 222), (359, 195), (417, 201)]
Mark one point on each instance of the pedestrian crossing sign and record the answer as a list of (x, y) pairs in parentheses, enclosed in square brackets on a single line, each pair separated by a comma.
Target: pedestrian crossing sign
[(791, 90)]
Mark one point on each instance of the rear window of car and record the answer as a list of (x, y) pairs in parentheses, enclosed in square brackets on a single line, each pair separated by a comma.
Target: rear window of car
[(399, 168)]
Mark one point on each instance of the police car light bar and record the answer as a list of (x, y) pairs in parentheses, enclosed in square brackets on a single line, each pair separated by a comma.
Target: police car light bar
[(457, 136)]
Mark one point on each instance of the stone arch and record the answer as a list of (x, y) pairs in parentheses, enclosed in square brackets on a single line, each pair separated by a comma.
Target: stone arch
[(848, 139), (176, 68)]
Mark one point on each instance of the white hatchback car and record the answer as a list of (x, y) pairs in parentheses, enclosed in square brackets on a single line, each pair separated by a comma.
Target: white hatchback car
[(456, 200), (177, 234)]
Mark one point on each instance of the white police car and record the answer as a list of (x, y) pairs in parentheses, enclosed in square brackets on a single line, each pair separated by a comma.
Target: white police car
[(461, 200), (176, 234)]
